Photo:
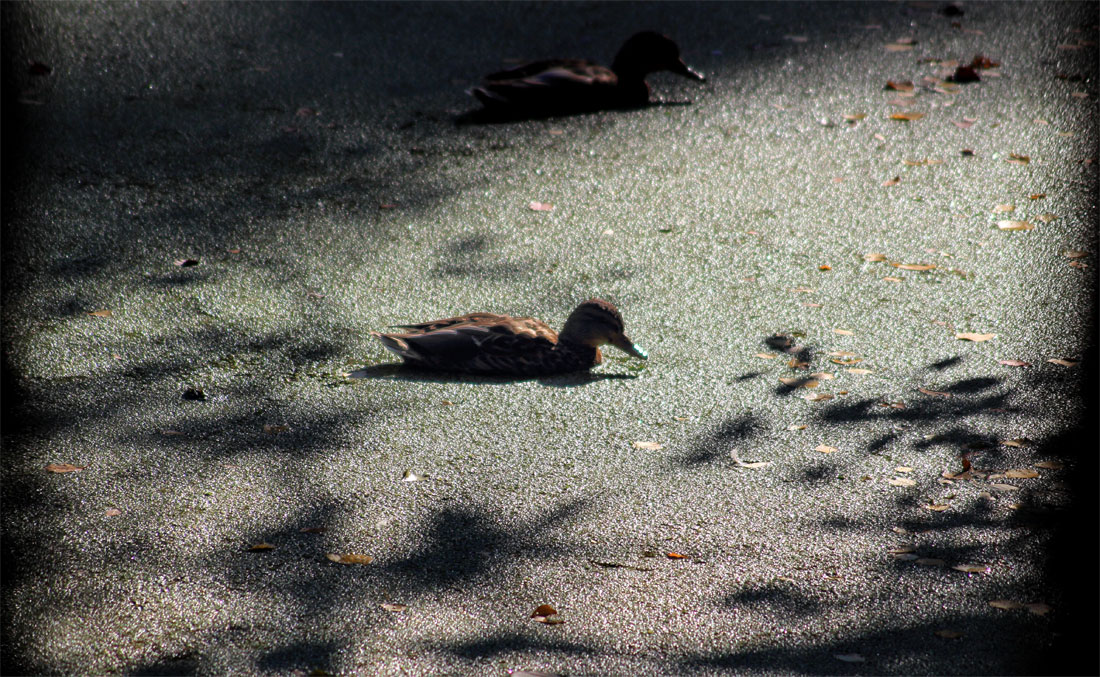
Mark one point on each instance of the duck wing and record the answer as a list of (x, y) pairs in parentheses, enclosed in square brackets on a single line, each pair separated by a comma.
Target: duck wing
[(473, 346), (548, 84), (579, 67)]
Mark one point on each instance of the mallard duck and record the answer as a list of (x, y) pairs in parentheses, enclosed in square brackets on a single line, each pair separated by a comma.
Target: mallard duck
[(485, 343), (572, 85)]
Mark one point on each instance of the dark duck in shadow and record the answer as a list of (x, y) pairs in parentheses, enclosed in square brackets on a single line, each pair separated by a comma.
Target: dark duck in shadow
[(566, 86), (485, 343)]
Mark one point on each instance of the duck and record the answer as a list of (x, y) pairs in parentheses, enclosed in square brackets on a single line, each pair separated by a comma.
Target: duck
[(563, 86), (487, 343)]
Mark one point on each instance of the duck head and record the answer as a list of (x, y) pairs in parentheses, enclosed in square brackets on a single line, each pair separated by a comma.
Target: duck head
[(595, 323), (648, 52)]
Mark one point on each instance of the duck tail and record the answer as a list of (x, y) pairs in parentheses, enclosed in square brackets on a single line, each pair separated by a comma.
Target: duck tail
[(396, 345)]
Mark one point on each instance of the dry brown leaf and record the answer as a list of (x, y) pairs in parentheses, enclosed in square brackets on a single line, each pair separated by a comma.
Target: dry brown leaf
[(540, 206), (825, 449), (1050, 465), (395, 608), (874, 256), (824, 267), (901, 549), (261, 547), (973, 336), (898, 47), (937, 507), (902, 482), (100, 313), (795, 363), (860, 371), (796, 426), (648, 446), (1045, 217), (903, 468), (1014, 363), (799, 382), (1001, 486), (675, 555), (843, 332), (972, 568), (113, 512), (819, 397), (1074, 254), (1017, 159), (64, 467), (907, 116), (854, 117), (891, 279), (766, 356), (934, 393), (900, 86), (1000, 209), (1021, 473), (1063, 363), (855, 360), (349, 558), (1005, 604), (914, 266), (1015, 225)]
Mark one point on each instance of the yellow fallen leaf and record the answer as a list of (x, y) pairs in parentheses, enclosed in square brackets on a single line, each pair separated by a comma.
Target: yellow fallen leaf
[(648, 446), (1014, 225), (843, 332), (825, 449), (973, 336), (1004, 208), (797, 382), (874, 257), (902, 482), (937, 507), (1021, 473), (857, 370), (913, 266), (350, 558), (907, 117), (100, 313)]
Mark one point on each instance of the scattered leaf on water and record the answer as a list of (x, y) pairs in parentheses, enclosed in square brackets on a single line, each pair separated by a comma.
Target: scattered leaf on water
[(850, 657), (540, 206), (1000, 209), (272, 429), (803, 290), (766, 356), (854, 117), (113, 512), (972, 568), (901, 549), (796, 427), (1050, 465), (261, 547), (1015, 225), (546, 614), (889, 182), (825, 449), (648, 446), (64, 467), (1017, 442), (843, 332), (100, 313), (891, 279), (799, 382), (902, 482), (1017, 159), (819, 397), (1046, 217), (1000, 486), (395, 608), (675, 555), (948, 634), (1063, 363), (973, 336), (1021, 473), (937, 507), (1074, 254), (1038, 608), (914, 266), (1014, 363), (874, 256), (411, 476), (934, 393), (1005, 604), (858, 370), (901, 86), (742, 464), (349, 558), (907, 116)]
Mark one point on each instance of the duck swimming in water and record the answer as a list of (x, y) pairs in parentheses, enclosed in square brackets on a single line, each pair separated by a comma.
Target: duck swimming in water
[(485, 343), (563, 86)]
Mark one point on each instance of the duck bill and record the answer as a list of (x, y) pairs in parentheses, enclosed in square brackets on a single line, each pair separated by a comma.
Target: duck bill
[(627, 346), (681, 68)]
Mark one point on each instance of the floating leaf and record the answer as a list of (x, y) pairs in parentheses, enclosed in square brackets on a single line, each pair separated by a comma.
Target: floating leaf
[(902, 482), (796, 427), (891, 279), (1017, 442), (675, 555), (1015, 225), (540, 206), (903, 468), (1074, 254), (824, 267), (272, 429), (648, 446), (100, 313), (972, 336), (803, 290), (874, 257), (1005, 604), (1046, 217), (113, 512), (1021, 473), (854, 117), (741, 464), (1000, 209), (972, 568), (825, 449), (934, 393), (349, 558), (64, 467), (1000, 486), (1063, 363), (395, 608), (901, 549), (937, 507), (261, 547), (913, 266), (891, 182), (1017, 159), (411, 476), (860, 371), (907, 117), (1050, 465), (819, 397), (850, 657), (1038, 608), (799, 382), (1014, 363), (766, 356)]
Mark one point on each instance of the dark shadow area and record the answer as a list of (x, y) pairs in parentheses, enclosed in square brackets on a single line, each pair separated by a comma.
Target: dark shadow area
[(483, 116), (185, 663), (714, 446), (773, 599), (494, 646)]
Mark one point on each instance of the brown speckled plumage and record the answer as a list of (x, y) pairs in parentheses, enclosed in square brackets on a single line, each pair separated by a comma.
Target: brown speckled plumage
[(486, 343)]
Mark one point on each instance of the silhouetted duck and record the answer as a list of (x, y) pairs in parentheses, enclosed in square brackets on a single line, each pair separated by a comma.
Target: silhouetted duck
[(485, 343), (561, 86)]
